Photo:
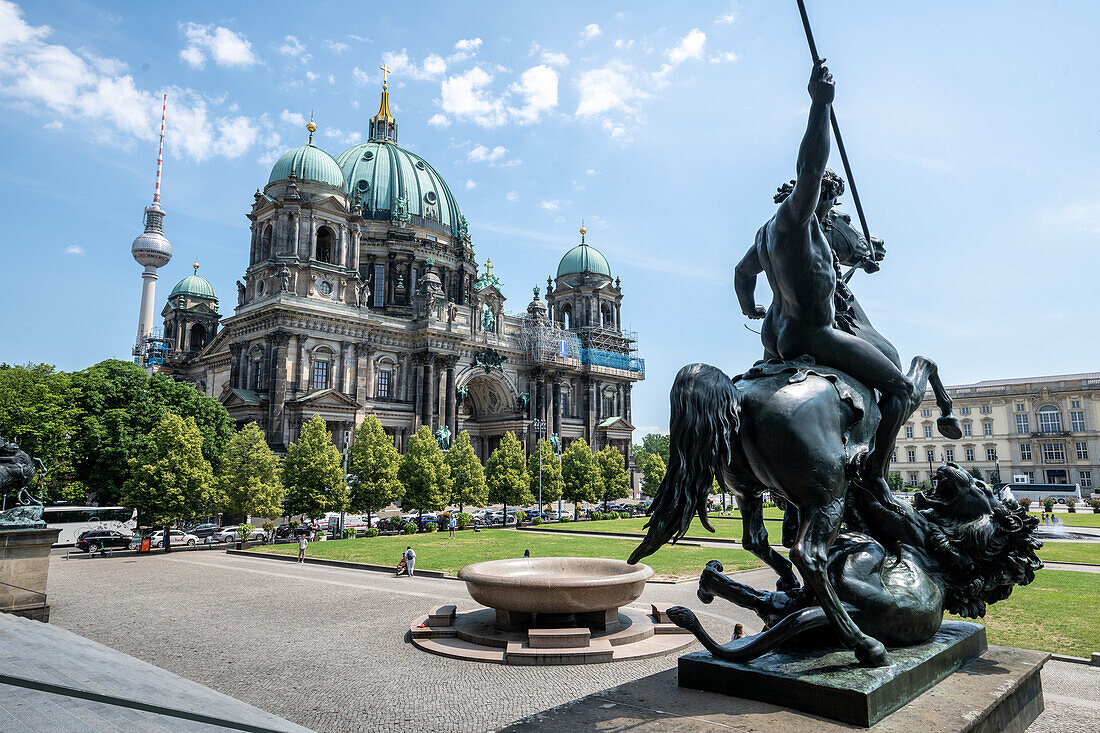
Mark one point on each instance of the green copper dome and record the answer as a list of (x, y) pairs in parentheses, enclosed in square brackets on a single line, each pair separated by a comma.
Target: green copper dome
[(194, 286), (583, 258), (309, 163), (389, 178)]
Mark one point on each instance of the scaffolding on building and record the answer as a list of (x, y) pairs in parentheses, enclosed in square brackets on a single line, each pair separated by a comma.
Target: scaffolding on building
[(151, 352), (548, 343)]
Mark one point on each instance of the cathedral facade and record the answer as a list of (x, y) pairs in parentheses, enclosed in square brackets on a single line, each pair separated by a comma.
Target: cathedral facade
[(362, 295)]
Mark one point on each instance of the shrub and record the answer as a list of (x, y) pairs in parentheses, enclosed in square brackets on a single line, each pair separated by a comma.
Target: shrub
[(294, 524), (1048, 504), (349, 533), (408, 528), (521, 516), (444, 519), (565, 518), (463, 519), (1026, 503), (245, 531), (536, 521), (430, 526), (371, 532), (269, 528), (1071, 501)]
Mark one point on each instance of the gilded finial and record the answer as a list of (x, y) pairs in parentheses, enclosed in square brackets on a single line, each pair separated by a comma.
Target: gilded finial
[(196, 266), (489, 265), (311, 127), (583, 231)]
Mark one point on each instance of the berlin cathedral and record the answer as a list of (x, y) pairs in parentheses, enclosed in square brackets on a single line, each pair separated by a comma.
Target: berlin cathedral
[(362, 295)]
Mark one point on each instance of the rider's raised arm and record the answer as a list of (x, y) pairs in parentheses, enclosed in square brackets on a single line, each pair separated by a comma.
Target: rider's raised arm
[(744, 283), (813, 154)]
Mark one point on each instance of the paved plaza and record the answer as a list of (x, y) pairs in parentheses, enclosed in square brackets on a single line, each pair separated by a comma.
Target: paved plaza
[(326, 648)]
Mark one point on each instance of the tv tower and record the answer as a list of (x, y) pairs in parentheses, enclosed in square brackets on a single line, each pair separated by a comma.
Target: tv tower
[(151, 249)]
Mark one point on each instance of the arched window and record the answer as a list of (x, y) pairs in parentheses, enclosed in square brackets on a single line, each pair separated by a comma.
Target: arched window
[(567, 316), (1050, 419), (320, 374), (326, 250), (382, 383), (265, 243), (198, 337)]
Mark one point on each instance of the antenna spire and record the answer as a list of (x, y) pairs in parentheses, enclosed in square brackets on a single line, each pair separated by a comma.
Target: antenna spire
[(160, 150)]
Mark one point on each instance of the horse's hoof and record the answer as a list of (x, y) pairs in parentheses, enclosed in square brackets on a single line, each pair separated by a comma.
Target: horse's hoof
[(873, 654), (704, 596), (715, 565), (948, 426)]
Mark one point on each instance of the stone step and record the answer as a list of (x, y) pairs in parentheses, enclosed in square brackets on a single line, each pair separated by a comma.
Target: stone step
[(599, 650), (558, 638), (441, 616), (659, 612), (669, 629)]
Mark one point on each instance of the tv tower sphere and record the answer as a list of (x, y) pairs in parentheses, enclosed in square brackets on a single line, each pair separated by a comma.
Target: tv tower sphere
[(151, 248)]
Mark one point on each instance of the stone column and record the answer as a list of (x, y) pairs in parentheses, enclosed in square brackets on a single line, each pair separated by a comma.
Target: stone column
[(277, 348), (626, 403), (556, 407), (300, 363), (418, 390), (364, 378), (590, 411), (235, 365), (450, 397), (429, 392), (342, 370)]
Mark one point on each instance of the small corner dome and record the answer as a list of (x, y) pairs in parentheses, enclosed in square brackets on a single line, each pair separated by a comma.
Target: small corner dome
[(309, 163), (194, 286), (583, 258)]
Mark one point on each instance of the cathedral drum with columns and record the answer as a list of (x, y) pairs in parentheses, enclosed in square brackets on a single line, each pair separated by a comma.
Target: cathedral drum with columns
[(362, 295)]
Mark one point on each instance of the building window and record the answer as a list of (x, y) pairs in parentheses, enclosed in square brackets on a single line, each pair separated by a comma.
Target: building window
[(914, 478), (257, 380), (949, 455), (1075, 403), (379, 286), (908, 431), (894, 457), (320, 375), (1054, 453), (1025, 451), (911, 455), (928, 431), (326, 251), (1082, 451), (930, 455), (987, 428), (1086, 479), (382, 388), (1077, 420), (1050, 420), (1030, 476), (925, 412), (986, 409), (991, 454), (967, 429), (1022, 424), (1020, 407), (964, 410), (969, 454)]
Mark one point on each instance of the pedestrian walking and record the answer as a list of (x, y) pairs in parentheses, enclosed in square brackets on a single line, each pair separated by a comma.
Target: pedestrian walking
[(452, 525), (303, 541), (738, 632), (410, 560)]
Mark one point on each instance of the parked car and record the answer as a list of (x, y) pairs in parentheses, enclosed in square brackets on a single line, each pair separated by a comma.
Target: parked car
[(498, 518), (177, 537), (232, 534), (286, 532), (203, 531), (95, 540)]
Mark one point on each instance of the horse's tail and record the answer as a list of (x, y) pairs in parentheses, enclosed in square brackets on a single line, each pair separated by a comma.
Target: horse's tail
[(703, 425), (751, 647)]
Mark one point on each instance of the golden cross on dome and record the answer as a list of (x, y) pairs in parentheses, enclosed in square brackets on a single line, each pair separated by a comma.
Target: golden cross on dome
[(489, 266), (385, 73)]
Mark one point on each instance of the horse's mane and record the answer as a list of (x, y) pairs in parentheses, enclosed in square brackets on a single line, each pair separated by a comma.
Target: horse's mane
[(982, 559)]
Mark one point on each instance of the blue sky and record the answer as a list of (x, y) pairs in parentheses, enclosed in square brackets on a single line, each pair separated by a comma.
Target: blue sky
[(972, 129)]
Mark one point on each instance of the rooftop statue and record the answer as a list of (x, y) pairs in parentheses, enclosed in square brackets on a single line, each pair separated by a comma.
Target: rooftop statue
[(17, 470), (814, 424)]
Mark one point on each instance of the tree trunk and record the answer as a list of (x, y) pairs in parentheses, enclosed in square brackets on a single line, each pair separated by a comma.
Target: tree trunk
[(504, 519)]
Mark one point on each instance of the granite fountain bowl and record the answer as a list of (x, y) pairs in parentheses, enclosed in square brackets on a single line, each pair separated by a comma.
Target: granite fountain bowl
[(555, 585)]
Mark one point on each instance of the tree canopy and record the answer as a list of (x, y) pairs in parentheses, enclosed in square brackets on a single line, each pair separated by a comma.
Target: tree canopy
[(170, 479), (424, 473), (551, 471), (249, 480), (653, 472), (581, 479), (655, 444), (373, 460), (613, 476), (467, 474), (313, 474), (506, 473)]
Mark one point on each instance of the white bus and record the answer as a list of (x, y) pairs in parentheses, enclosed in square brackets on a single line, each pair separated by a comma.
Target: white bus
[(75, 520), (1038, 492)]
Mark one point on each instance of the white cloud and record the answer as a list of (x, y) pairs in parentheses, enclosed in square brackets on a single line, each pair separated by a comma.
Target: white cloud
[(590, 172), (348, 138), (725, 18), (511, 196), (360, 76), (293, 47), (690, 47), (607, 89), (337, 47), (470, 184), (624, 45), (551, 205), (555, 59), (482, 154), (468, 44), (438, 120), (53, 125), (467, 96), (225, 47), (74, 249), (538, 86), (293, 118), (723, 57), (402, 66), (589, 32)]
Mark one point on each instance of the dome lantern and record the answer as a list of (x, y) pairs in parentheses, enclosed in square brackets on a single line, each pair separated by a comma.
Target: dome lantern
[(308, 163), (383, 127)]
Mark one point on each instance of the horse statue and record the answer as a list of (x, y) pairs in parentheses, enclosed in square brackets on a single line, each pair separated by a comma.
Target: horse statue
[(17, 470), (797, 429)]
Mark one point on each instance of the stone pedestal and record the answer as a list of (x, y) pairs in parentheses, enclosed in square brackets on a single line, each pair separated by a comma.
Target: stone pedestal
[(24, 566), (830, 683)]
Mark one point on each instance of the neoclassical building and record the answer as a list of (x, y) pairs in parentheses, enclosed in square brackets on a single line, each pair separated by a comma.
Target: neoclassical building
[(362, 295)]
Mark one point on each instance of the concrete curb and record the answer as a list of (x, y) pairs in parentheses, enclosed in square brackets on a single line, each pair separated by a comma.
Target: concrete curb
[(340, 564), (631, 536), (1094, 662)]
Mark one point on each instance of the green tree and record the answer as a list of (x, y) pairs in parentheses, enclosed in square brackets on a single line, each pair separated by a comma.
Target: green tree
[(38, 411), (551, 471), (313, 474), (170, 479), (654, 444), (653, 472), (895, 481), (467, 474), (424, 474), (976, 473), (506, 474), (613, 476), (373, 460), (249, 479), (581, 480)]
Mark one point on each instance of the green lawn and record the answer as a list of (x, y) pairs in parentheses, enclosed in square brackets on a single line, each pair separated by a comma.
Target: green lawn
[(436, 552), (728, 528), (1056, 613), (1071, 552), (1080, 519)]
